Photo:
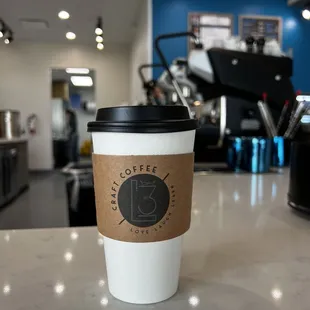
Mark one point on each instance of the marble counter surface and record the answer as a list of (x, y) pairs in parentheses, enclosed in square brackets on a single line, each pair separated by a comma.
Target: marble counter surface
[(245, 250)]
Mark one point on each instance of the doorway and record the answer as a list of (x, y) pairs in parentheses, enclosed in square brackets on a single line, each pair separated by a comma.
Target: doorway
[(73, 106)]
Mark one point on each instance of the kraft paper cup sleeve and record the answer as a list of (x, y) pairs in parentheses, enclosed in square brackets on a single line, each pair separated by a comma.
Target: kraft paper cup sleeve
[(143, 198)]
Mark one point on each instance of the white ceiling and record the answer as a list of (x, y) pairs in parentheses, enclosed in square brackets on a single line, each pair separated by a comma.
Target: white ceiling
[(119, 19)]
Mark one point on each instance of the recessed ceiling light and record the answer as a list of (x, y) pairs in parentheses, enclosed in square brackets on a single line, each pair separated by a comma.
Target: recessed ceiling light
[(63, 15), (98, 31), (85, 81), (70, 35), (77, 70), (99, 39), (100, 46)]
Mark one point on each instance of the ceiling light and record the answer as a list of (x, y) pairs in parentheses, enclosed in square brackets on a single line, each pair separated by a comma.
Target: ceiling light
[(306, 13), (100, 46), (85, 81), (98, 31), (63, 15), (70, 35), (99, 39), (77, 70), (8, 40)]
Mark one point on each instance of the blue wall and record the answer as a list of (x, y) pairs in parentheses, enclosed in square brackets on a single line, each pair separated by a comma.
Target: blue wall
[(171, 16)]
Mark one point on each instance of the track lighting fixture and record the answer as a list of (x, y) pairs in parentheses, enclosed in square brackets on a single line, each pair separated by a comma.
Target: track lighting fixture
[(99, 34), (99, 30), (5, 32), (2, 29)]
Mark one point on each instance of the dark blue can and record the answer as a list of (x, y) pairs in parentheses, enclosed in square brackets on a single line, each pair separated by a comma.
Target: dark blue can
[(278, 152), (235, 153), (257, 154)]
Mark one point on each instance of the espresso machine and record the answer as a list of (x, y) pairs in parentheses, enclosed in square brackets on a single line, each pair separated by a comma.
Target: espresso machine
[(229, 84)]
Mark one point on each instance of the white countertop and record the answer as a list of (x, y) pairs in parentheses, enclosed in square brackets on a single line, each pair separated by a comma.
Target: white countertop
[(245, 250)]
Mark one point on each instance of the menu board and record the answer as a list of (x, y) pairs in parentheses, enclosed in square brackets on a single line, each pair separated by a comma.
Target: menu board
[(212, 29), (261, 26)]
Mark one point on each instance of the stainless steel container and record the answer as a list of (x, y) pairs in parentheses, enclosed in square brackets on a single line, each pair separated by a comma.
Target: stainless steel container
[(10, 126)]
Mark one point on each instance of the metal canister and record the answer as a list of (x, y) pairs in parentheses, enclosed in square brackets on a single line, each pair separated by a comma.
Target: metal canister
[(10, 126)]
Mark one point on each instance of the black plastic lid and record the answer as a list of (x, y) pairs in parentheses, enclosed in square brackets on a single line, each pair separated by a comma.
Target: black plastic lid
[(143, 119)]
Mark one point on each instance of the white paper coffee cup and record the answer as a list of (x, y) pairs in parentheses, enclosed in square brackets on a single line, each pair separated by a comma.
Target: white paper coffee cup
[(148, 272)]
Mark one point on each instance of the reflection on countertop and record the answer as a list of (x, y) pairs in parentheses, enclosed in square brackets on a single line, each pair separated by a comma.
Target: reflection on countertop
[(246, 249)]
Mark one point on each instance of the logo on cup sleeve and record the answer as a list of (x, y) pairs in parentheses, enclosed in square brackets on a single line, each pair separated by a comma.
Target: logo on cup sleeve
[(143, 200), (142, 197)]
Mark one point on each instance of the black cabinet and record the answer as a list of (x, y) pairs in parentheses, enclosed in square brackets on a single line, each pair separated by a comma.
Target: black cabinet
[(2, 190), (9, 162), (13, 170)]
